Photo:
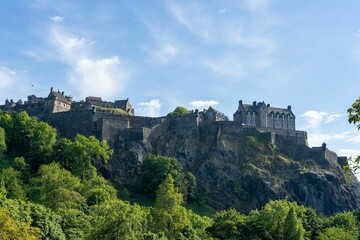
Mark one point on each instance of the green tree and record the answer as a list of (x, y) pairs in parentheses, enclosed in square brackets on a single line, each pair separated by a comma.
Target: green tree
[(74, 223), (179, 111), (10, 229), (82, 155), (41, 142), (37, 215), (346, 221), (56, 187), (97, 190), (168, 215), (293, 229), (115, 219), (28, 137), (2, 142), (154, 170), (226, 224), (13, 183), (354, 117), (335, 233)]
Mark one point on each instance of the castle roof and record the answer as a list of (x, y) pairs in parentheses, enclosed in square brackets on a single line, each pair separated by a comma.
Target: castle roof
[(59, 96), (275, 110)]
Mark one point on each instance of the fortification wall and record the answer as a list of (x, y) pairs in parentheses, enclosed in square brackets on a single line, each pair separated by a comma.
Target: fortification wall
[(70, 123), (182, 122)]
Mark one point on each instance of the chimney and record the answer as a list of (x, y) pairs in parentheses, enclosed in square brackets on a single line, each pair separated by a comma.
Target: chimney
[(254, 103), (268, 105), (289, 107), (51, 89), (240, 102), (62, 93)]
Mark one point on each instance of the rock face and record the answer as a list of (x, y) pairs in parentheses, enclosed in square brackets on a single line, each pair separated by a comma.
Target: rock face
[(241, 170)]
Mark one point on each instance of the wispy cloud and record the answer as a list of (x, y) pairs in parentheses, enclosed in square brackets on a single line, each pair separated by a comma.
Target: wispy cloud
[(7, 77), (88, 74), (223, 10), (193, 18), (57, 19), (151, 108), (357, 33), (316, 139), (13, 84), (200, 104), (226, 66), (257, 5), (314, 122), (165, 52), (349, 152), (314, 119)]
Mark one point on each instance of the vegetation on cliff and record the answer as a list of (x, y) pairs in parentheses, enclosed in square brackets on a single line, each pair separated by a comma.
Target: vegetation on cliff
[(179, 111), (50, 189)]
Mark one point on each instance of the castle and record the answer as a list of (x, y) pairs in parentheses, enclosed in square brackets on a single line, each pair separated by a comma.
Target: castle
[(111, 120)]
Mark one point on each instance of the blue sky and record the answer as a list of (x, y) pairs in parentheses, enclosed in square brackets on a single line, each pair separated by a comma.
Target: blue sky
[(163, 54)]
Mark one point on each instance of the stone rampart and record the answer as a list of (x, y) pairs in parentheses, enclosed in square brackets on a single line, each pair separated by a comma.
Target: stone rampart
[(70, 123)]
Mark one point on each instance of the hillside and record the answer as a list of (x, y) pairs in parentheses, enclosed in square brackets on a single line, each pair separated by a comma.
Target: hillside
[(243, 171)]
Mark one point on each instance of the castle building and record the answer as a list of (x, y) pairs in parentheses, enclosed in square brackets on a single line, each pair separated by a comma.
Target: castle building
[(213, 115), (264, 116), (58, 102)]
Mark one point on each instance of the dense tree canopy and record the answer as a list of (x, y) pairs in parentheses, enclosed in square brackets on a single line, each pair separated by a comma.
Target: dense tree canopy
[(82, 155), (63, 197)]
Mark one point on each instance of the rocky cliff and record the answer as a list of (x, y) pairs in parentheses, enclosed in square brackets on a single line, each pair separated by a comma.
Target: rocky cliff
[(243, 170)]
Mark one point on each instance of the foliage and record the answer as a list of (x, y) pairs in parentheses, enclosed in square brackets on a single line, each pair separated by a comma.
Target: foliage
[(168, 215), (335, 233), (354, 117), (2, 142), (345, 221), (27, 136), (98, 190), (293, 229), (13, 184), (226, 224), (37, 215), (10, 229), (116, 219), (74, 223), (55, 187), (82, 155), (179, 111), (154, 170), (117, 110)]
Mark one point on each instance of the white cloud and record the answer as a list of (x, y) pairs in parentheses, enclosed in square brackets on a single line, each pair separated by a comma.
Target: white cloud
[(57, 19), (166, 52), (355, 137), (223, 10), (88, 74), (7, 77), (199, 104), (257, 5), (315, 119), (357, 34), (13, 84), (332, 117), (151, 108), (349, 152), (316, 139), (193, 18), (227, 66)]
